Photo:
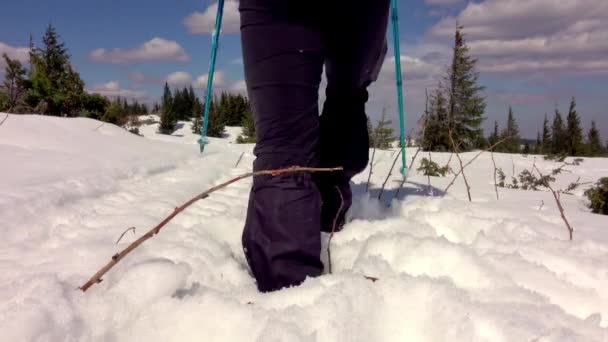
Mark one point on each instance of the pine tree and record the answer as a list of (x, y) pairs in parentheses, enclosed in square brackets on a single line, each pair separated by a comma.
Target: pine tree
[(558, 135), (248, 124), (56, 88), (466, 103), (512, 143), (546, 143), (574, 133), (167, 117), (594, 141), (436, 133), (493, 139), (383, 133), (539, 143), (15, 84)]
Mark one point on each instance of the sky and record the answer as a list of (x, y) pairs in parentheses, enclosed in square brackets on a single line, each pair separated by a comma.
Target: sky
[(534, 55)]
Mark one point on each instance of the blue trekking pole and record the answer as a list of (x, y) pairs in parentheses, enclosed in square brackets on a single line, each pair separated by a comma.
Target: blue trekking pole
[(214, 44), (395, 20)]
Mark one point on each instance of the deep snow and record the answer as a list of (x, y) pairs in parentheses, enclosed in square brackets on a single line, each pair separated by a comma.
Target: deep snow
[(448, 270)]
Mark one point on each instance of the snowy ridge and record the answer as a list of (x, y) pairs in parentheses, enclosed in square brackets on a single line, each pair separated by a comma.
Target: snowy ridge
[(448, 270)]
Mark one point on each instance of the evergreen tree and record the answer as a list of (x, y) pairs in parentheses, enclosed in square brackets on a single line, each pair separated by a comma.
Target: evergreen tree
[(248, 124), (114, 114), (466, 103), (574, 133), (539, 144), (546, 144), (216, 125), (56, 88), (436, 132), (558, 135), (512, 144), (383, 133), (15, 84), (167, 117), (95, 106), (594, 142), (493, 139)]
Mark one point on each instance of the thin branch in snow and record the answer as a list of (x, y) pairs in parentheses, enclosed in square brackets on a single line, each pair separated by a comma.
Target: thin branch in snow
[(333, 230), (471, 162), (125, 232), (6, 117), (542, 204), (239, 161), (98, 127), (556, 195), (495, 171), (390, 173), (464, 176), (97, 277)]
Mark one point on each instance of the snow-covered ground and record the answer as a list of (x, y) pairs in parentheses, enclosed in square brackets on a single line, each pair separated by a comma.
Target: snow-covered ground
[(448, 270)]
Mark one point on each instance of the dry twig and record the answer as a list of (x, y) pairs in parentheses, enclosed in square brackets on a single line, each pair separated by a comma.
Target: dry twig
[(239, 161), (390, 173), (471, 161), (556, 195), (125, 232), (96, 278), (495, 171), (464, 177), (98, 127), (6, 117), (333, 229)]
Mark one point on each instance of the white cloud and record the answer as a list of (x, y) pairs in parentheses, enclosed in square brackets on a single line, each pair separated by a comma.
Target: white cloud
[(524, 36), (19, 53), (442, 2), (239, 86), (219, 80), (204, 22), (179, 79), (156, 49), (112, 89)]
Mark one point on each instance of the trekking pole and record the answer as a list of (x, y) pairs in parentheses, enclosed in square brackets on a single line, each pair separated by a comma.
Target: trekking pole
[(395, 20), (214, 45)]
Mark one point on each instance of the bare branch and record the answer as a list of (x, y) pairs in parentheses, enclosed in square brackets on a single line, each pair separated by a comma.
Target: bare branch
[(96, 278), (556, 195), (6, 117), (333, 229), (98, 127), (239, 161), (471, 161), (390, 172), (495, 171), (123, 234), (464, 177)]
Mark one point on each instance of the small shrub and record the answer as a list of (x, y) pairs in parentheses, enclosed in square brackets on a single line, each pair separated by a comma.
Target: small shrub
[(430, 168), (556, 157), (598, 195)]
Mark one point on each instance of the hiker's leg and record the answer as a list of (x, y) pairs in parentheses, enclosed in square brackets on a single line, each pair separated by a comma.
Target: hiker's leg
[(283, 56), (356, 51)]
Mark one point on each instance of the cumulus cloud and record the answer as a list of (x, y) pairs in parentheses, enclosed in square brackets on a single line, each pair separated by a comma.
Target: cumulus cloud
[(239, 86), (156, 49), (112, 89), (204, 22), (219, 80), (179, 79), (442, 2), (19, 53), (523, 36)]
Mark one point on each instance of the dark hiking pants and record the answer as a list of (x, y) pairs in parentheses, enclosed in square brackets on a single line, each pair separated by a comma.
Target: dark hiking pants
[(286, 44)]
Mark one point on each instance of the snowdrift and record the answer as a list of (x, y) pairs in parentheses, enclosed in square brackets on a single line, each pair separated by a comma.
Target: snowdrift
[(448, 270)]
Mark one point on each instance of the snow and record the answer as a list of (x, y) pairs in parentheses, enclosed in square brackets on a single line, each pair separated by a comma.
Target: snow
[(447, 269)]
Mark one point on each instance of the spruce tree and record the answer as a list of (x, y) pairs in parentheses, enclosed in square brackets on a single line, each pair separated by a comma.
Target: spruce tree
[(539, 143), (493, 139), (436, 132), (558, 135), (546, 144), (594, 141), (15, 84), (248, 124), (512, 143), (383, 133), (466, 104), (574, 133), (167, 117)]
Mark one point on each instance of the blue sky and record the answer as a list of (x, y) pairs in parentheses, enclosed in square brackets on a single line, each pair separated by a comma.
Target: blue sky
[(534, 54)]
